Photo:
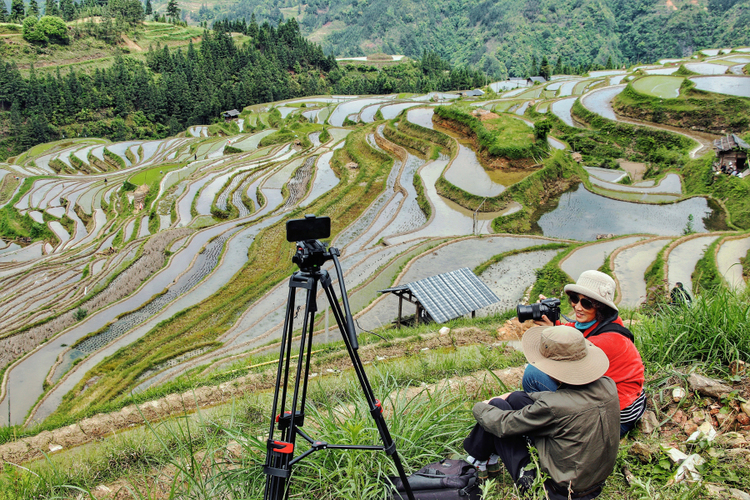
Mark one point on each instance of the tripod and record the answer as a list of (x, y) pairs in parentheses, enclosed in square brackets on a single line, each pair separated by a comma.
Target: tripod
[(280, 455)]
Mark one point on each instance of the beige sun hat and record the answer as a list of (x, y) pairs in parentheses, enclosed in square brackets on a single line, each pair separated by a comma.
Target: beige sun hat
[(595, 285), (564, 354)]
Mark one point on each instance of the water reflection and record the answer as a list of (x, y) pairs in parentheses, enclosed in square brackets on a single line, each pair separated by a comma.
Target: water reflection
[(732, 85), (582, 215)]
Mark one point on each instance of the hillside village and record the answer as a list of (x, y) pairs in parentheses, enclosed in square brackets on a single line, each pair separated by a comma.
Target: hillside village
[(144, 261)]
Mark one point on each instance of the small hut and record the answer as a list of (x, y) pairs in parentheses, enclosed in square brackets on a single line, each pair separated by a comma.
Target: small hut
[(444, 297), (230, 115), (731, 154)]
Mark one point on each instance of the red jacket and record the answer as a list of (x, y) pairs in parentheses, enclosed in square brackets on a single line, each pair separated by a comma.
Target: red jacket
[(625, 364)]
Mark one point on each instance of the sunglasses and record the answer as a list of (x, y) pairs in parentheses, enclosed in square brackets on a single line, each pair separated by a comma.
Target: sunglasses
[(585, 303)]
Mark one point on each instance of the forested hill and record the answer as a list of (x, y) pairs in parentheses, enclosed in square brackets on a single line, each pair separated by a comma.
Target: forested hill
[(501, 36), (174, 88)]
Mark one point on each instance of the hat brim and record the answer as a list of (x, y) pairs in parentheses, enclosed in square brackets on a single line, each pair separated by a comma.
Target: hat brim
[(580, 372), (590, 294)]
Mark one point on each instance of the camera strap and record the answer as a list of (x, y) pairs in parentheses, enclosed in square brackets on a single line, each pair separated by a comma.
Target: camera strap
[(612, 327)]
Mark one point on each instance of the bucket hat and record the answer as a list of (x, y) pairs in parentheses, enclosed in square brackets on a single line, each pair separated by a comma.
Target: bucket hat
[(595, 285), (564, 354)]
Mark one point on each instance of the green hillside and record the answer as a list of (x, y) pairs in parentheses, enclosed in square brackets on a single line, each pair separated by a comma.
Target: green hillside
[(502, 36)]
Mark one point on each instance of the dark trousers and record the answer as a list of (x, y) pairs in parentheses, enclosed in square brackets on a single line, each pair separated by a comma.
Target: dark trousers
[(513, 450)]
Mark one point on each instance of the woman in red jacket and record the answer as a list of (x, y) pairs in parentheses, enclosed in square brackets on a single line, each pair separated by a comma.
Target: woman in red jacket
[(597, 317)]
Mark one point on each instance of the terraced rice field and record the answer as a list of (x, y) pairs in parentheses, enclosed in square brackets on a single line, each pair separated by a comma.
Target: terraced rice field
[(204, 224), (659, 86)]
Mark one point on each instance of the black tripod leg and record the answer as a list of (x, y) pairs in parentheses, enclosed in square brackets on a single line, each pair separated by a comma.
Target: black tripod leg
[(281, 452), (376, 409)]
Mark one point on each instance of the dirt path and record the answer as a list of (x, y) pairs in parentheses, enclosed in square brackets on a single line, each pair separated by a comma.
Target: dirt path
[(131, 44)]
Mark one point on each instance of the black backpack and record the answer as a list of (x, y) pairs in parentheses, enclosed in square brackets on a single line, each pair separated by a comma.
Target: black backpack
[(444, 480)]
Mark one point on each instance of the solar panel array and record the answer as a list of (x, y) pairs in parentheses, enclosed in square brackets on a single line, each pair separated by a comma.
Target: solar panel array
[(450, 295)]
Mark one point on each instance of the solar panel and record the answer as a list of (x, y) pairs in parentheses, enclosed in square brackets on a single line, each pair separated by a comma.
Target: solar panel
[(450, 295)]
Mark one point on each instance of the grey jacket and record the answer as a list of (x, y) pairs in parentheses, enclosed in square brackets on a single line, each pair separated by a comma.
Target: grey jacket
[(576, 430)]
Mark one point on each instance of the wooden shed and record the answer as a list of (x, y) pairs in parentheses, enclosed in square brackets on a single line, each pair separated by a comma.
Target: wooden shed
[(731, 153)]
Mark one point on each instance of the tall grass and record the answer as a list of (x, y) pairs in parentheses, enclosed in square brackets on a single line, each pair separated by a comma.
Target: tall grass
[(715, 331)]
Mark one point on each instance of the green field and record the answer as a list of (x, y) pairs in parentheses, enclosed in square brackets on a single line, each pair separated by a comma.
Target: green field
[(666, 87), (152, 174)]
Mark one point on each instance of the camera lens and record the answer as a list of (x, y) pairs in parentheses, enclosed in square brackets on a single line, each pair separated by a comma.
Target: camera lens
[(526, 313)]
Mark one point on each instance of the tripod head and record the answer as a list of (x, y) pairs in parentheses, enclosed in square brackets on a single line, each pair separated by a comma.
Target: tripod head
[(311, 255)]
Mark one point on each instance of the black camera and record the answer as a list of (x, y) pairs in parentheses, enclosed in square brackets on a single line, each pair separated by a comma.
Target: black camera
[(311, 253), (546, 307)]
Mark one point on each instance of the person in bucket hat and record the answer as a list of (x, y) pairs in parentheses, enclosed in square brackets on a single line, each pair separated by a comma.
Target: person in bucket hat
[(597, 318), (575, 429)]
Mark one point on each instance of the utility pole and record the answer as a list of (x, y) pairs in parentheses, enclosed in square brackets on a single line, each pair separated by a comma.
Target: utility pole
[(474, 225)]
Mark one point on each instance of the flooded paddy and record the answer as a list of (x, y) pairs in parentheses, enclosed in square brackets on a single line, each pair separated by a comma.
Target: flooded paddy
[(592, 256), (662, 71), (582, 215), (511, 277), (449, 219), (731, 85), (606, 174), (325, 179), (683, 258), (410, 216), (600, 101), (562, 109), (392, 110), (728, 261), (354, 106), (670, 184), (630, 266), (706, 68)]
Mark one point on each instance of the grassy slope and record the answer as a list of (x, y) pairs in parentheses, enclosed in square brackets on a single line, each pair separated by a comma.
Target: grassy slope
[(223, 449), (707, 111), (88, 53)]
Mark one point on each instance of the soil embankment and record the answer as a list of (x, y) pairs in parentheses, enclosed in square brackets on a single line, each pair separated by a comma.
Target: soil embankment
[(487, 160), (102, 425)]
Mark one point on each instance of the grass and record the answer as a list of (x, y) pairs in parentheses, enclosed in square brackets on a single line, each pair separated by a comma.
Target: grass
[(155, 174), (219, 453), (499, 257), (690, 108), (678, 336)]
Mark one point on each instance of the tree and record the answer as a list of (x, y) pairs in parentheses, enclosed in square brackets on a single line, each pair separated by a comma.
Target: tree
[(3, 13), (149, 9), (67, 9), (51, 8), (125, 11), (44, 30), (172, 10), (16, 10), (33, 9)]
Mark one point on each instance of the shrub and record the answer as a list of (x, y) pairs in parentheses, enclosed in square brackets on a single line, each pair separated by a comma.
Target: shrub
[(80, 314), (47, 29)]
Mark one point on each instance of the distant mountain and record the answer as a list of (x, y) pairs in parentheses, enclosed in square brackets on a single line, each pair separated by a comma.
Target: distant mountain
[(502, 36)]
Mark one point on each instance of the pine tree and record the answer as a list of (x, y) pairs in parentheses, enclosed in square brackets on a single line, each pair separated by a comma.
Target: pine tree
[(33, 9), (149, 9), (67, 10), (172, 10), (3, 12), (16, 10), (51, 8)]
